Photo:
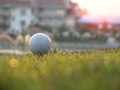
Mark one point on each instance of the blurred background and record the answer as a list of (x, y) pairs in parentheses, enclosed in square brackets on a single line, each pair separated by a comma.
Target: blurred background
[(71, 24)]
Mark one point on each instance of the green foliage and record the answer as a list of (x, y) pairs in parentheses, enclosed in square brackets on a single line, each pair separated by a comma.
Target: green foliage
[(62, 70), (83, 29), (62, 28), (44, 27)]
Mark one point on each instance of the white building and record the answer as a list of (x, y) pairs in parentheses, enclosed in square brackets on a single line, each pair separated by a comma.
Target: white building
[(23, 13), (21, 18), (17, 14)]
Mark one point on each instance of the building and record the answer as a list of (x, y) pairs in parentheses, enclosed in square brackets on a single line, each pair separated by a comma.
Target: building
[(21, 15), (4, 15), (53, 13), (16, 15)]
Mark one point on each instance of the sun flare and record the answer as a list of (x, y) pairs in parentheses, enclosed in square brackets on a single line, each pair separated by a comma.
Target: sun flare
[(100, 6)]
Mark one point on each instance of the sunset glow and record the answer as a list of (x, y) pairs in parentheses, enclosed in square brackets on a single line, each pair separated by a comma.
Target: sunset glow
[(101, 7)]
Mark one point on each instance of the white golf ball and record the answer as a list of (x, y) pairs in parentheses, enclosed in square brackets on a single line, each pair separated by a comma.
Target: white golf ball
[(39, 43)]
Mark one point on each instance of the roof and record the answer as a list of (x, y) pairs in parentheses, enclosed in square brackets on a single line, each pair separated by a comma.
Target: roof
[(38, 3), (15, 2), (51, 3)]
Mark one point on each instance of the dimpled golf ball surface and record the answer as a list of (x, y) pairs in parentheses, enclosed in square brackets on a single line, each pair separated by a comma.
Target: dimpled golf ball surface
[(39, 43)]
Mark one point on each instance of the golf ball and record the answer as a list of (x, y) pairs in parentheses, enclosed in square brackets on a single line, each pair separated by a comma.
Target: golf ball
[(39, 43)]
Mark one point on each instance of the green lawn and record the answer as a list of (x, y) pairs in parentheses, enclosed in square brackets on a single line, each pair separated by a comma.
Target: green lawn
[(93, 70)]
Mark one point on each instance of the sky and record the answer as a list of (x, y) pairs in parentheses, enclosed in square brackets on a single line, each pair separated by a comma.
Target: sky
[(100, 7)]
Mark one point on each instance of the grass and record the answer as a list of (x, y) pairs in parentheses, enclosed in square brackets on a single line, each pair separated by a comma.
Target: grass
[(60, 70)]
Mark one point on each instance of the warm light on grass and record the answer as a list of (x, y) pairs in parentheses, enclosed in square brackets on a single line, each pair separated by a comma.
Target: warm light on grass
[(61, 70), (14, 63)]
